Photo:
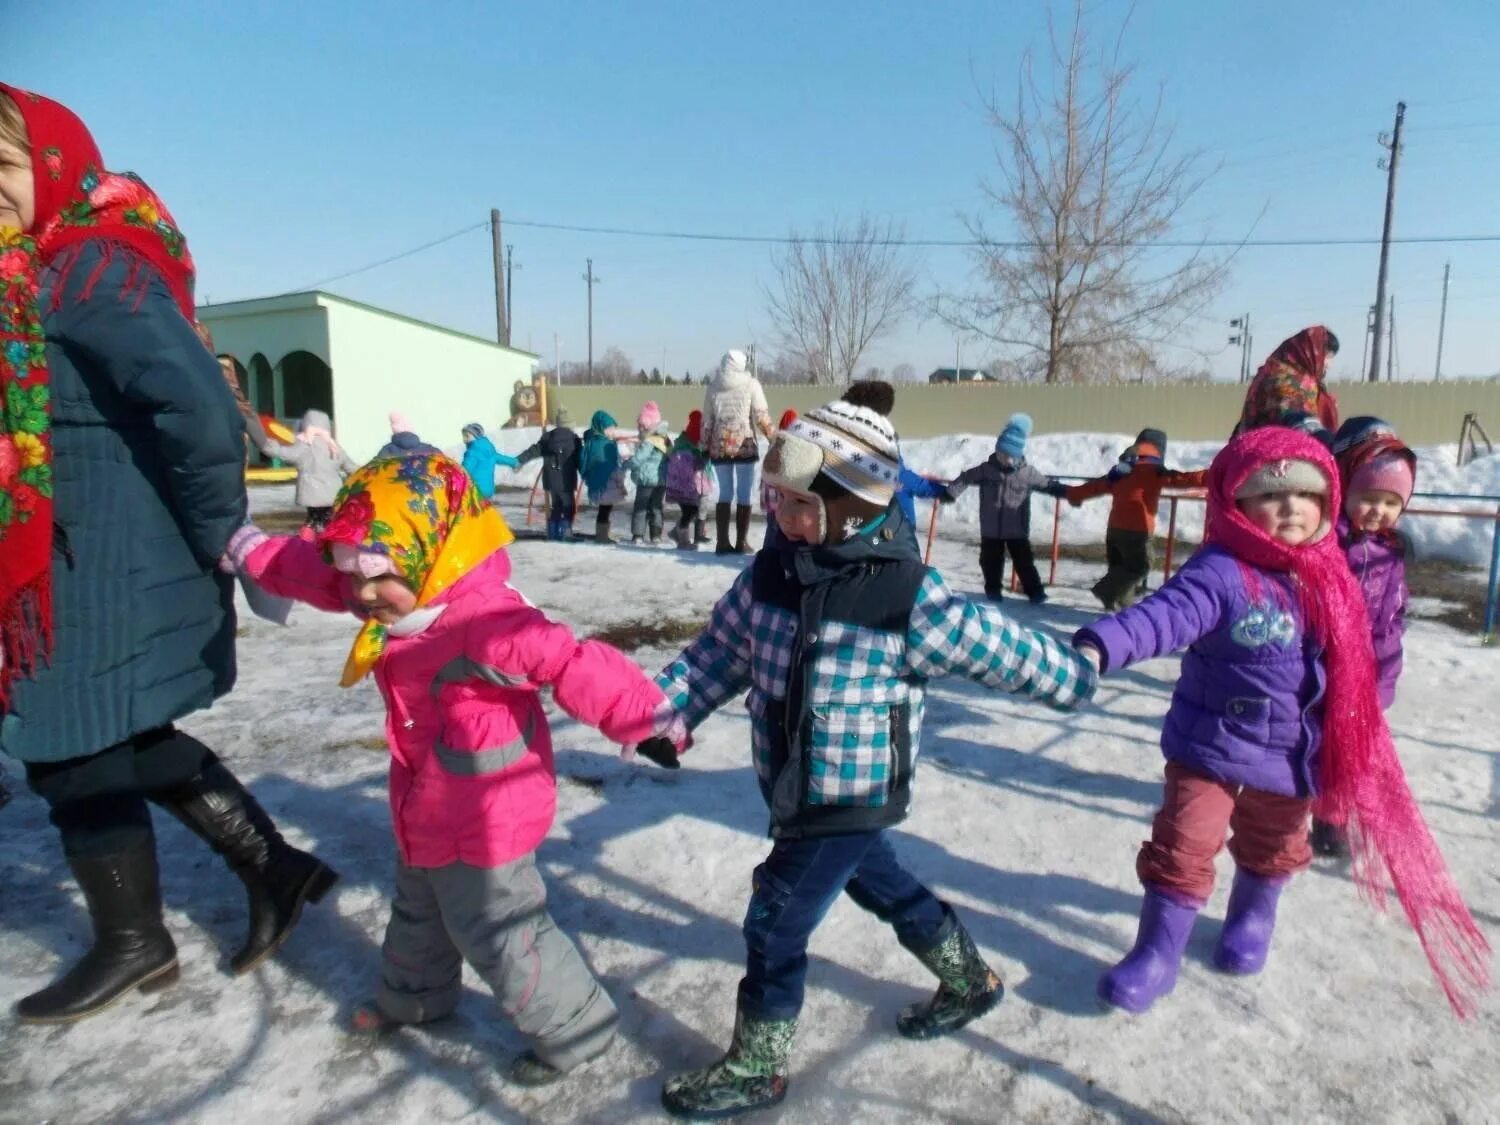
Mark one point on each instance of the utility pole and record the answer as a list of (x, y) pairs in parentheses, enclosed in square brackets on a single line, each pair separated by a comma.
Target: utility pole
[(1390, 355), (589, 277), (1364, 358), (1437, 371), (510, 291), (502, 315), (1390, 164), (1242, 338)]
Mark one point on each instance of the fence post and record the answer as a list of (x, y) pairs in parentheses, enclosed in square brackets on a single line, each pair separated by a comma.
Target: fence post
[(1490, 595), (1171, 537)]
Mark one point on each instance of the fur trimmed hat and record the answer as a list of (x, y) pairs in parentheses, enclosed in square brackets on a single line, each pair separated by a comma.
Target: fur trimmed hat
[(845, 455), (1284, 476)]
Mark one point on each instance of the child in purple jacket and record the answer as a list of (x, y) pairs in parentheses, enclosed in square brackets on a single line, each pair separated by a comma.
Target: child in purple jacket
[(1275, 710), (1378, 474)]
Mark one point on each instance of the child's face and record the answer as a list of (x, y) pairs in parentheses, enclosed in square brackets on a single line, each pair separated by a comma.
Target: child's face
[(387, 598), (799, 516), (1373, 509), (1289, 517)]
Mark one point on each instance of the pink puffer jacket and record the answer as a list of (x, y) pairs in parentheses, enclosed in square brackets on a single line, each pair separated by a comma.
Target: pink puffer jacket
[(471, 753)]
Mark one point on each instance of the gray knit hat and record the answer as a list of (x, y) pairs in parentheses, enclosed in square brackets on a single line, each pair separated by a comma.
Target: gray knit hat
[(1283, 476)]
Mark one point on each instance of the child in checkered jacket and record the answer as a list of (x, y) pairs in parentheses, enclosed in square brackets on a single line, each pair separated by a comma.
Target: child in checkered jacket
[(835, 632)]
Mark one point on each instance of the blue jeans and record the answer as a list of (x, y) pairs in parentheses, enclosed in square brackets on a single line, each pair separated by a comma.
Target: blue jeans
[(736, 479), (792, 891)]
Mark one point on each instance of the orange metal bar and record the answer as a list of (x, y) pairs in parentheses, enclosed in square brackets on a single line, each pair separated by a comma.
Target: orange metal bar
[(1171, 537), (1056, 538), (931, 533), (531, 496)]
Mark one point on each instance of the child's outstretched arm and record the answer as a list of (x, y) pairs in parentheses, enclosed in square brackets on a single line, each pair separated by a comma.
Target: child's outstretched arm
[(1099, 486), (1187, 608), (715, 667), (921, 487), (287, 566), (969, 476), (594, 682), (948, 633)]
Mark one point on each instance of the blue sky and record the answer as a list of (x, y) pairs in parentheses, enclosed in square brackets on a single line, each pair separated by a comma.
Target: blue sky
[(299, 141)]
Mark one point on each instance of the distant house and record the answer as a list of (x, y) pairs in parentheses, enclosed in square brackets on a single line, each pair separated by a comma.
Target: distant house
[(960, 375)]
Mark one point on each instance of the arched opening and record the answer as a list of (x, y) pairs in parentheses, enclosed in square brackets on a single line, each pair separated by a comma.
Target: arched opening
[(261, 385), (306, 384)]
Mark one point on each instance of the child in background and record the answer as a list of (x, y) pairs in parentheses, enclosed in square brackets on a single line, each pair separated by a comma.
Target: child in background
[(1132, 516), (1274, 711), (560, 449), (404, 441), (1006, 482), (835, 633), (1378, 474), (461, 659), (647, 467), (320, 463), (687, 482), (481, 459), (600, 467)]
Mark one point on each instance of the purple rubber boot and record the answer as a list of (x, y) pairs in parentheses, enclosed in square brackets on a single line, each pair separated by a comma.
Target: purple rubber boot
[(1149, 970), (1248, 923)]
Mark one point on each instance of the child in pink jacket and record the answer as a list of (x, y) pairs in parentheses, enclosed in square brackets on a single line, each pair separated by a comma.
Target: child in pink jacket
[(460, 658)]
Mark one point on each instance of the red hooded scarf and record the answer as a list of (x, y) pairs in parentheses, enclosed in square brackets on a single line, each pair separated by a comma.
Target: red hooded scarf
[(1290, 383), (75, 200), (1362, 786)]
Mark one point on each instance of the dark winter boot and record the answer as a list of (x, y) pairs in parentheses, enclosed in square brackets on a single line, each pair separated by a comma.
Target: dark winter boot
[(742, 530), (721, 524), (1328, 840), (967, 989), (601, 530), (278, 878), (1248, 923), (1149, 970), (751, 1076), (700, 531), (132, 948)]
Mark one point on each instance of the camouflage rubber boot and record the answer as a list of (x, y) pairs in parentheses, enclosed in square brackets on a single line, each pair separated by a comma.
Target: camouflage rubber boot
[(752, 1075), (968, 988)]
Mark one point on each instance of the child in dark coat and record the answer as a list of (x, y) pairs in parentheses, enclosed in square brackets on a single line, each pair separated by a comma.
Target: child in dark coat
[(1006, 482), (1378, 474), (1275, 711), (835, 631), (559, 450), (1132, 515)]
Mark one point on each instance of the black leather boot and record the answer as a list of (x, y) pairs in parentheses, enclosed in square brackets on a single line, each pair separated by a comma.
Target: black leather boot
[(721, 525), (278, 878), (742, 530), (132, 948)]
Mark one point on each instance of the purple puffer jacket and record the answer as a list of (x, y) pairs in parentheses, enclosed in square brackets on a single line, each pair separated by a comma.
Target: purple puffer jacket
[(1247, 708), (1379, 562)]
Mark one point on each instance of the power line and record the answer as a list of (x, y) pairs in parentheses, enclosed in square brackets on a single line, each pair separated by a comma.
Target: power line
[(974, 243), (393, 258)]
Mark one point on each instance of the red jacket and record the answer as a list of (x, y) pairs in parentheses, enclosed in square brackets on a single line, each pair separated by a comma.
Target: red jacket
[(1136, 493)]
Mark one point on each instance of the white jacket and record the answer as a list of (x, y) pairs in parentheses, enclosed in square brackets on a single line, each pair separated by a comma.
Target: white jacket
[(734, 408)]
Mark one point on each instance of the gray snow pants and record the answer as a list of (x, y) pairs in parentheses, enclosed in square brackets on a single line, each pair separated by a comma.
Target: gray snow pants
[(496, 919)]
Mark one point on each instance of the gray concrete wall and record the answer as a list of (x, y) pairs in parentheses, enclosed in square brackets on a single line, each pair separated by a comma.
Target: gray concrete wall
[(1424, 413)]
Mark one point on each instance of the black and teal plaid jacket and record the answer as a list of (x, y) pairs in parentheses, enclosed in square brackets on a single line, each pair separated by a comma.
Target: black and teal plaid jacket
[(835, 645)]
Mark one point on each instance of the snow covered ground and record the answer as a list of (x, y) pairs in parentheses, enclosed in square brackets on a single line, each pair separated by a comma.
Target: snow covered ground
[(1027, 820)]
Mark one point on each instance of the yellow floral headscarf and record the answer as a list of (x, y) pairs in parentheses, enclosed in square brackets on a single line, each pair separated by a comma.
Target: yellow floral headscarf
[(426, 516)]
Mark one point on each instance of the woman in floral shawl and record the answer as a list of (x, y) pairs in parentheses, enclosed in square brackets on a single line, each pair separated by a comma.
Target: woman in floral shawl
[(121, 481), (1288, 390)]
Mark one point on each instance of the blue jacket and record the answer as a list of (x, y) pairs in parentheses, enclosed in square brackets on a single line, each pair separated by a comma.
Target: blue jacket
[(601, 456), (481, 459), (914, 484), (648, 464), (148, 485)]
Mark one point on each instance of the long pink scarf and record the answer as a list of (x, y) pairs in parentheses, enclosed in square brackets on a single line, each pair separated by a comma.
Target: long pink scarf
[(1363, 788)]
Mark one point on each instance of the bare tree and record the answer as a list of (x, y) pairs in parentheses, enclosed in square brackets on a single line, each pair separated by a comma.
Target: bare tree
[(1090, 183), (904, 373), (837, 292)]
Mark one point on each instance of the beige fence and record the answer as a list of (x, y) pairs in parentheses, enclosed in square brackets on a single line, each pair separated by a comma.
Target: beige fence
[(1424, 413)]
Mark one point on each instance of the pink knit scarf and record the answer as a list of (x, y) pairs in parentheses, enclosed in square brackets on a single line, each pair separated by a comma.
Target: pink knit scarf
[(1362, 785)]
